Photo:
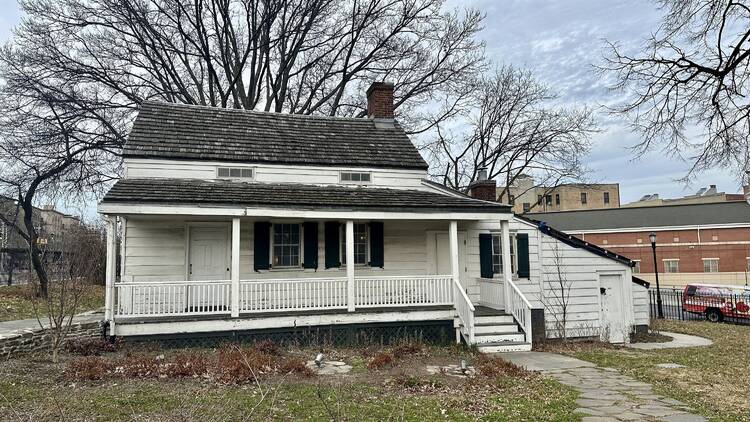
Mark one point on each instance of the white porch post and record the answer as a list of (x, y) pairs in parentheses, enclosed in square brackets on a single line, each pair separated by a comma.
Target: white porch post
[(350, 264), (111, 269), (453, 247), (507, 271), (235, 267)]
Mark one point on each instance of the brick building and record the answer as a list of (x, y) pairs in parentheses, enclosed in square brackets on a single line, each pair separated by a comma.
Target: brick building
[(707, 243)]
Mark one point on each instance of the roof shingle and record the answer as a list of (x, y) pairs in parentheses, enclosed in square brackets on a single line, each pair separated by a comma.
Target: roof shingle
[(202, 192), (176, 131)]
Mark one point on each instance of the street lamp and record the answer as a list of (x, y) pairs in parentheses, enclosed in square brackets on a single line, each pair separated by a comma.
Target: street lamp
[(652, 237)]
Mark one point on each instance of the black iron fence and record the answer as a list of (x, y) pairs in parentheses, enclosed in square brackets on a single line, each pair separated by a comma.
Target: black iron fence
[(697, 306)]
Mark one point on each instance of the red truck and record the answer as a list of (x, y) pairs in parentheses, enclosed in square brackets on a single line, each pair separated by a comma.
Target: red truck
[(717, 302)]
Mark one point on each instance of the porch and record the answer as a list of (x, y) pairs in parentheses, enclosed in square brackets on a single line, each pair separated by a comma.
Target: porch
[(191, 270)]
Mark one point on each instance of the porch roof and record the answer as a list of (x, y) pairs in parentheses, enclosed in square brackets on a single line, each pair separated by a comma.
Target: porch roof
[(292, 196)]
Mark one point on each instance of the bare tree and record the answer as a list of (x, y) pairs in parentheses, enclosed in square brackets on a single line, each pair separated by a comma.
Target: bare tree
[(79, 262), (687, 87), (296, 56), (508, 126), (555, 297)]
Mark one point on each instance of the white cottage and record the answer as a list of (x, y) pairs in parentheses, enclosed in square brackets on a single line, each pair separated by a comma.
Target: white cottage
[(235, 221)]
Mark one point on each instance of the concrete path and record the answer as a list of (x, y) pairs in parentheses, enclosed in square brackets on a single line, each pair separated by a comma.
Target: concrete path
[(606, 395), (678, 340), (14, 328)]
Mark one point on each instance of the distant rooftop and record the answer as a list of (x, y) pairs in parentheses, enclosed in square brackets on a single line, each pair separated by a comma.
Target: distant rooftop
[(735, 212)]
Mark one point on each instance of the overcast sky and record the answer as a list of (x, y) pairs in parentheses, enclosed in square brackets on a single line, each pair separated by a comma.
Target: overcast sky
[(561, 40)]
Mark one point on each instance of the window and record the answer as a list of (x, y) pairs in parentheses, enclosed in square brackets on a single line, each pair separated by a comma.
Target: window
[(512, 199), (710, 265), (671, 265), (539, 199), (557, 199), (676, 239), (639, 240), (637, 266), (714, 238), (584, 199), (355, 177), (526, 207), (238, 173), (361, 244), (286, 245), (548, 199), (606, 197), (497, 254)]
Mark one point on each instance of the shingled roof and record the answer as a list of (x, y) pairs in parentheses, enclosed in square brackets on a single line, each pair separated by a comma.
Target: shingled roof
[(224, 193), (175, 131)]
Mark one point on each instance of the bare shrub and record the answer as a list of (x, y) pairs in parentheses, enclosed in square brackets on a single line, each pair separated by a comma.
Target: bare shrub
[(236, 365), (381, 360), (268, 347), (407, 348), (86, 346), (295, 366), (139, 366), (489, 366), (88, 368), (186, 365)]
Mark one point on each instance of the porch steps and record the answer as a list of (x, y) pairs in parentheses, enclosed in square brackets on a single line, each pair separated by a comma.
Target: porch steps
[(496, 331)]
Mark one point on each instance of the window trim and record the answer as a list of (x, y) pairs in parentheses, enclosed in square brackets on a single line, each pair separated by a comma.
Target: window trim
[(605, 197), (301, 254), (584, 198), (704, 260), (513, 255), (236, 179), (355, 182), (342, 245), (664, 261)]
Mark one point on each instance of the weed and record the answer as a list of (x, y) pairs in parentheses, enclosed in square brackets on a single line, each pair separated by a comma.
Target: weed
[(380, 360), (88, 368)]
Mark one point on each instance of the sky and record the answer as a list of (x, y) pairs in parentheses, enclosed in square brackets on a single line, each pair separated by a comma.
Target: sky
[(561, 41)]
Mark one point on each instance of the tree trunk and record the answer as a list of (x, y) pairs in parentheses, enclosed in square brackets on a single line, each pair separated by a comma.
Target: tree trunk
[(34, 252)]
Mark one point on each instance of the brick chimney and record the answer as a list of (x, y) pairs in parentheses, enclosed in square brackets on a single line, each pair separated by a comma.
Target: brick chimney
[(380, 100), (482, 188)]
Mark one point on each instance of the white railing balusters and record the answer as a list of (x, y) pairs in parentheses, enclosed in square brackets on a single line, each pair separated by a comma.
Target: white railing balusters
[(373, 292), (465, 310), (517, 304)]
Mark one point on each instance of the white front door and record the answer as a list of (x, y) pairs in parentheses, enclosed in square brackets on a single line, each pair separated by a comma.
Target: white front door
[(209, 253), (614, 326), (443, 256)]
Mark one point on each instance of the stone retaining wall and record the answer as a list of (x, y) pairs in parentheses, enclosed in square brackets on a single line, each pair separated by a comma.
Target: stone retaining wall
[(37, 340)]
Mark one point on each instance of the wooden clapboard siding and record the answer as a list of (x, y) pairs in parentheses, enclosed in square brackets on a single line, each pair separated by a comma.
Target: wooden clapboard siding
[(641, 305), (155, 250), (395, 178), (581, 270)]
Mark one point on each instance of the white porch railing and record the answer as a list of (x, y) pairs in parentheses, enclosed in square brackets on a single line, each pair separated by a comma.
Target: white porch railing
[(373, 292), (517, 304), (465, 310), (282, 295), (179, 298), (171, 298), (492, 293)]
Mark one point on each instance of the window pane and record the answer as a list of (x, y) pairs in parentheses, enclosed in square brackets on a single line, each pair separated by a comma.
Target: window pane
[(356, 177), (223, 172), (247, 173), (365, 177), (286, 245), (346, 177)]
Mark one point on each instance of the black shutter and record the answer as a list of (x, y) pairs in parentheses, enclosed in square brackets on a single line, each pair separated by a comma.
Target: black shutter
[(485, 255), (522, 243), (376, 244), (333, 253), (310, 230), (261, 244)]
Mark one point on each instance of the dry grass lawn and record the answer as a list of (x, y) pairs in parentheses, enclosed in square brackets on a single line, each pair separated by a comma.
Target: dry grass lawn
[(34, 389), (714, 380), (17, 302)]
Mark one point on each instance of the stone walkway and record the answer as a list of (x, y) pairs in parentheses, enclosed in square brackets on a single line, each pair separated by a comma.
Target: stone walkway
[(678, 340), (606, 395)]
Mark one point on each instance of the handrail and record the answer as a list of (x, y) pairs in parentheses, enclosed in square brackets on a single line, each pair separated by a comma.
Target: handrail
[(519, 307), (465, 310)]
